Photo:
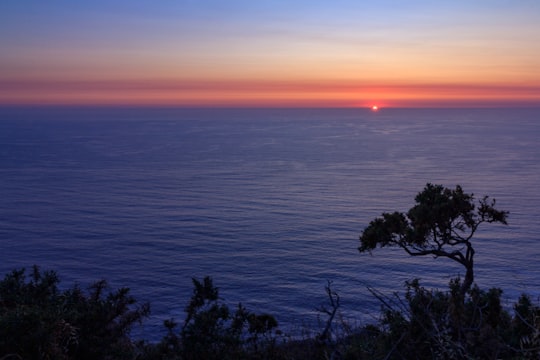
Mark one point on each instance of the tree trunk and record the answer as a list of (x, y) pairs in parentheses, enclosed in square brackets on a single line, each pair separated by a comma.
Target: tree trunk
[(469, 267), (469, 279)]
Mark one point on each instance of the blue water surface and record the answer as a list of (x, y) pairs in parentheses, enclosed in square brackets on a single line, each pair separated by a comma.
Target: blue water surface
[(269, 202)]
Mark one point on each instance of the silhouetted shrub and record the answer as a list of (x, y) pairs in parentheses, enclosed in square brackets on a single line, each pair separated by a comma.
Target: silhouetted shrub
[(211, 330), (38, 321)]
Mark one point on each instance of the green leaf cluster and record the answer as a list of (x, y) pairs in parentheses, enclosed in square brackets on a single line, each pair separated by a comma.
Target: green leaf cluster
[(39, 321)]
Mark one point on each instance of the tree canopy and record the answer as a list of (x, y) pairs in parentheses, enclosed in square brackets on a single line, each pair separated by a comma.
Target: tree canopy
[(442, 224)]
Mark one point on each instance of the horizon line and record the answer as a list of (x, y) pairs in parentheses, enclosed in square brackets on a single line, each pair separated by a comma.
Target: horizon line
[(221, 106)]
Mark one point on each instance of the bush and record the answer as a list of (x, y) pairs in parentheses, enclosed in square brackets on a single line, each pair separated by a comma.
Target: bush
[(211, 330), (38, 321), (433, 324)]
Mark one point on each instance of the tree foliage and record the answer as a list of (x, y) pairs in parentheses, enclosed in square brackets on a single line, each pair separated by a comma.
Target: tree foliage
[(442, 224), (38, 321), (211, 330)]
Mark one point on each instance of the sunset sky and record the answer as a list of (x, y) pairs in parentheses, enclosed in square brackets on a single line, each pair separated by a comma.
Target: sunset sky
[(270, 53)]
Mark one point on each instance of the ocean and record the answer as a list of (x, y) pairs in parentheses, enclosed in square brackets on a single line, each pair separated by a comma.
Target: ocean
[(268, 202)]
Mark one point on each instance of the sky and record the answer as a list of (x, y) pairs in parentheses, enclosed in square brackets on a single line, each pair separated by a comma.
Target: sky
[(334, 53)]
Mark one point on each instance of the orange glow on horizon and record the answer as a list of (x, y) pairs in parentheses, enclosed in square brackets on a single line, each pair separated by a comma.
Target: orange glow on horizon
[(258, 93)]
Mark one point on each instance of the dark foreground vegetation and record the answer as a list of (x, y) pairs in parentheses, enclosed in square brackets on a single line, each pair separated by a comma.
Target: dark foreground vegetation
[(40, 321)]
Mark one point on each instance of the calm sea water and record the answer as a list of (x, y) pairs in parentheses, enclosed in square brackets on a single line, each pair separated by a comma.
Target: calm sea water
[(270, 203)]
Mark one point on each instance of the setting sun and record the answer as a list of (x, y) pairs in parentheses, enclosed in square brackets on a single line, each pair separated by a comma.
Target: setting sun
[(374, 108)]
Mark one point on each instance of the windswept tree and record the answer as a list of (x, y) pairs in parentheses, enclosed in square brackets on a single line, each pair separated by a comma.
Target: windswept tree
[(442, 224)]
